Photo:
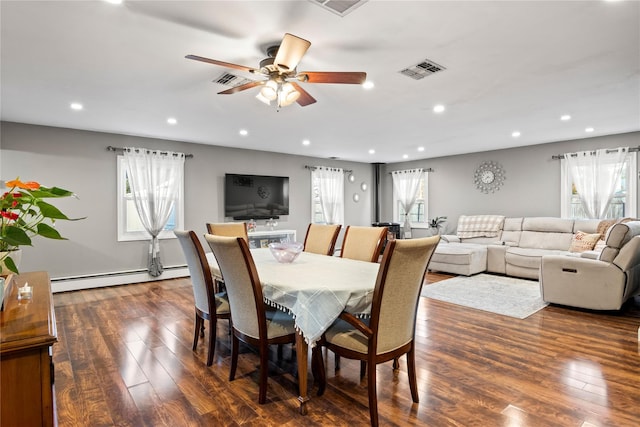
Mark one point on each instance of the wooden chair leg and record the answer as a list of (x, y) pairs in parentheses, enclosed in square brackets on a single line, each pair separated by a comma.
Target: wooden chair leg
[(363, 369), (198, 322), (411, 370), (317, 368), (337, 358), (212, 339), (234, 356), (373, 398), (202, 329), (396, 364), (264, 374)]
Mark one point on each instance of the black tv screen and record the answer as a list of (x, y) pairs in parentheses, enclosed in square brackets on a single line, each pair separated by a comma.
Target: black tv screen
[(255, 196)]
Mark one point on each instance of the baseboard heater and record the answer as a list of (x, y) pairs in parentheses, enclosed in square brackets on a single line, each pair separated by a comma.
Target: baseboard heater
[(100, 280)]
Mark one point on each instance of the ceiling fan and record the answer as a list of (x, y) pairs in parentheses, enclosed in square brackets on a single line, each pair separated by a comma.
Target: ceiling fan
[(280, 68)]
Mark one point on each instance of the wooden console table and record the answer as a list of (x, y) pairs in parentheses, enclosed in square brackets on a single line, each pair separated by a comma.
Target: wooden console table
[(27, 334)]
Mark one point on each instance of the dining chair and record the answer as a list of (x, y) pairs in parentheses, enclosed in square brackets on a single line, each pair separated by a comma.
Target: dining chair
[(390, 331), (229, 229), (321, 238), (254, 322), (363, 243), (208, 304)]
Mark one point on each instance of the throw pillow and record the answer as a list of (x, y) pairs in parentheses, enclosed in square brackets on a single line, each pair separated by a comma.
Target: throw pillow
[(583, 242)]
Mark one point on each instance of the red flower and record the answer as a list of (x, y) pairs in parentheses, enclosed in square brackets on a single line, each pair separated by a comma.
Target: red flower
[(10, 215)]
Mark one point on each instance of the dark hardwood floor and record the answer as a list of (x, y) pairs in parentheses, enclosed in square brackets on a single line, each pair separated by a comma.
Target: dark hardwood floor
[(124, 359)]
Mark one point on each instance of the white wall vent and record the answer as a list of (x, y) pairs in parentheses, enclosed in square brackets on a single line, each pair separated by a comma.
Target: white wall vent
[(228, 79), (422, 69), (340, 7)]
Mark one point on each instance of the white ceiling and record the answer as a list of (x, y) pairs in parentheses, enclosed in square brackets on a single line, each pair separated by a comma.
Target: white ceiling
[(510, 65)]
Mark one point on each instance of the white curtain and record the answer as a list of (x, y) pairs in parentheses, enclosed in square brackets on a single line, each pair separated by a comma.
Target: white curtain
[(595, 175), (155, 179), (406, 184), (330, 185)]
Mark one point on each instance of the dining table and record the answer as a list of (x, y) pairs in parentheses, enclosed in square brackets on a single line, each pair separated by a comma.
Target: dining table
[(314, 289)]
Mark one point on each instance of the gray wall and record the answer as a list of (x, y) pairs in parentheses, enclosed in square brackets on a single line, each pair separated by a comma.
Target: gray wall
[(531, 188), (79, 161)]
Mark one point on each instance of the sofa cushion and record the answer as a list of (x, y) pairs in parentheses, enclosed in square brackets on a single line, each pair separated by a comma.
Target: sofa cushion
[(528, 257), (548, 225), (583, 242), (459, 254), (617, 237), (545, 240)]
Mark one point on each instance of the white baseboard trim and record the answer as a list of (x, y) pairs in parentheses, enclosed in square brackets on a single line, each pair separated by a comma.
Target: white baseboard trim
[(65, 284)]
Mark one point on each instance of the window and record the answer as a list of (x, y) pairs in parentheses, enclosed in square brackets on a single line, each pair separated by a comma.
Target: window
[(129, 225), (418, 214), (331, 181), (623, 203)]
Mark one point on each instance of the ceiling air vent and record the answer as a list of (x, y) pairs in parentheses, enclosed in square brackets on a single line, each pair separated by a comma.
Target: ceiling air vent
[(339, 7), (422, 69), (231, 80)]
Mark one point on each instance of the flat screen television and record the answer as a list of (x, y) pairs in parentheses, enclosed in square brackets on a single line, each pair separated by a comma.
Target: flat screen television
[(255, 196)]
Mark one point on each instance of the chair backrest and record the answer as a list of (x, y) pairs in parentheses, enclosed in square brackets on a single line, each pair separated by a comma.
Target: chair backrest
[(201, 278), (397, 291), (363, 243), (242, 283), (321, 239), (229, 229)]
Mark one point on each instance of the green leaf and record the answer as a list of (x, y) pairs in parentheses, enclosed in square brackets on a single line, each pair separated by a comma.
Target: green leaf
[(51, 192), (49, 232), (15, 236), (8, 262), (50, 211)]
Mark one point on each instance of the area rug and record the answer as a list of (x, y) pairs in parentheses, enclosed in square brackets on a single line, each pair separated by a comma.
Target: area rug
[(508, 296)]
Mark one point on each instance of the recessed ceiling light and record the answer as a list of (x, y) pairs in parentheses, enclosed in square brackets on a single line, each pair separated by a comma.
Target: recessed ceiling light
[(243, 132), (172, 120), (565, 117), (420, 148), (438, 108), (405, 156), (589, 129), (114, 1), (306, 142), (368, 85), (372, 151), (515, 134), (76, 106)]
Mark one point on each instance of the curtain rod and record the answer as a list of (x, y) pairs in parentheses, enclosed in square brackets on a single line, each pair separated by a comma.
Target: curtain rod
[(423, 170), (316, 167), (561, 156), (110, 148)]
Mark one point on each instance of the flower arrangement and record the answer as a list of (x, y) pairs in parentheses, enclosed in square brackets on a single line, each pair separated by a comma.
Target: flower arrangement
[(437, 221), (24, 215)]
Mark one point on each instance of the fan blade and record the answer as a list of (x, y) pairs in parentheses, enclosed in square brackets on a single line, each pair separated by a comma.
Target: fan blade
[(241, 88), (355, 77), (304, 99), (291, 50), (223, 64)]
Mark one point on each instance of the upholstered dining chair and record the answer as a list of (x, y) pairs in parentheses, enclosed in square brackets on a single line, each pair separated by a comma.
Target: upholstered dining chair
[(254, 322), (230, 229), (363, 243), (390, 331), (208, 305), (321, 238)]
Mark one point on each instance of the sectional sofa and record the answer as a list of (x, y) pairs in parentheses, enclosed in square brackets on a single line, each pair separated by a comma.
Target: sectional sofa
[(544, 248)]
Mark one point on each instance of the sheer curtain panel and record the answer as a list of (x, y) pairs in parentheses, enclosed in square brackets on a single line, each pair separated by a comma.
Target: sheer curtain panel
[(595, 175), (406, 184), (330, 185), (155, 179)]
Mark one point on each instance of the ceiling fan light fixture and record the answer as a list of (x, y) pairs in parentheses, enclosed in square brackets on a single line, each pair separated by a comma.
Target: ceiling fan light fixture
[(287, 95), (270, 90), (261, 98)]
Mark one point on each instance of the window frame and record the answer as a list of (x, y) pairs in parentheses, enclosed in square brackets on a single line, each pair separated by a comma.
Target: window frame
[(122, 211), (425, 193), (566, 192)]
